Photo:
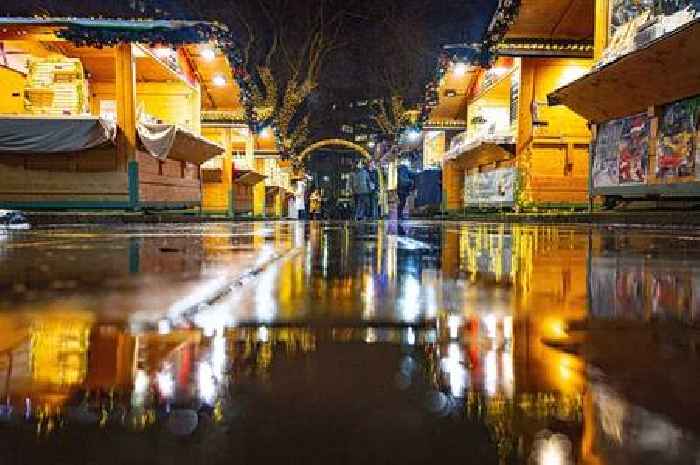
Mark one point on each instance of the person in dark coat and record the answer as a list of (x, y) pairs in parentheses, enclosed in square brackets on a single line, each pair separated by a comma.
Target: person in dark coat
[(361, 188), (405, 185), (374, 193)]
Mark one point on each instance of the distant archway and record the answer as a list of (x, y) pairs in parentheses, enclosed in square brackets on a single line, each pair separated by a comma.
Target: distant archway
[(383, 196), (335, 143)]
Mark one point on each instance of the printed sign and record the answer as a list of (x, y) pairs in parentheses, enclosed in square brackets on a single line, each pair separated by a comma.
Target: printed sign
[(633, 158), (605, 160), (622, 152), (676, 148), (495, 188)]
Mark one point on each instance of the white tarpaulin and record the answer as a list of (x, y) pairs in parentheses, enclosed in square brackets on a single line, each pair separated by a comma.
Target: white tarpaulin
[(169, 141), (157, 139), (34, 134)]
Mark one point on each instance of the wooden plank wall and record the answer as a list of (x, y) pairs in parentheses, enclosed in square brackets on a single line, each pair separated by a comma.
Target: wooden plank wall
[(11, 91), (88, 176), (552, 152), (168, 182)]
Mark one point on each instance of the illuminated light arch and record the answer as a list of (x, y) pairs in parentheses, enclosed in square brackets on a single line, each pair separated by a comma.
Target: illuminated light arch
[(335, 143)]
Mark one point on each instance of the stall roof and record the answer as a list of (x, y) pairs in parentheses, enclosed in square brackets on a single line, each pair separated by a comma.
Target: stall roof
[(454, 92), (224, 95), (542, 28), (483, 151), (554, 19), (220, 90), (663, 71), (192, 148), (100, 23), (249, 177)]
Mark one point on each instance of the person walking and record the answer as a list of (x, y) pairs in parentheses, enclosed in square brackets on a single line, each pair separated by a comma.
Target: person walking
[(361, 189), (374, 191), (405, 185)]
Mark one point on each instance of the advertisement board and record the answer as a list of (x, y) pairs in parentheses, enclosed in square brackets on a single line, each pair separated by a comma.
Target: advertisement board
[(676, 147), (622, 152), (490, 188)]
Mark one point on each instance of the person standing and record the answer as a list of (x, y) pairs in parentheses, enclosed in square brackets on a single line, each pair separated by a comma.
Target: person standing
[(405, 185), (374, 191), (361, 189)]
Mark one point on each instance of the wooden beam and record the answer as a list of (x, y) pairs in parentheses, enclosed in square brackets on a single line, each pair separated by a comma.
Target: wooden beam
[(600, 37), (126, 118)]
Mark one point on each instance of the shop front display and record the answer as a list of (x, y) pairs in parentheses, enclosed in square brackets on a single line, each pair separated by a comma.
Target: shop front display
[(96, 115), (495, 188), (622, 152), (641, 99), (518, 151)]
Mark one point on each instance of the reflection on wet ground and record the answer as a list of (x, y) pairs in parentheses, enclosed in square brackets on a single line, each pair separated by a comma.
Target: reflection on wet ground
[(335, 342)]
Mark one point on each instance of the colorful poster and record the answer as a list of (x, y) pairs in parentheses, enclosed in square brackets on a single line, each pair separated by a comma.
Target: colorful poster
[(675, 154), (633, 156), (606, 148), (496, 187), (624, 11)]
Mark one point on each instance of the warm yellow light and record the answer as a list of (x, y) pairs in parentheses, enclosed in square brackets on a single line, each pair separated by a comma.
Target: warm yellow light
[(571, 73), (500, 71), (460, 69), (208, 54), (219, 80), (163, 52)]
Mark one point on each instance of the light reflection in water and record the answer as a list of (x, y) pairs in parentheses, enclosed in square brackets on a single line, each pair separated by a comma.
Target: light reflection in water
[(498, 293)]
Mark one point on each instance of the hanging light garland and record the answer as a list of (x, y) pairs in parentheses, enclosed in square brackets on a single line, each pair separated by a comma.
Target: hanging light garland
[(99, 35)]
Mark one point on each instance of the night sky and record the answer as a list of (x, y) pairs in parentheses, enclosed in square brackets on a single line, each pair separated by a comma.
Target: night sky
[(401, 37)]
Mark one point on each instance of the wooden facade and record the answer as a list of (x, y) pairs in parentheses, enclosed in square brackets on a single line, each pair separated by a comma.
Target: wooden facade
[(127, 83), (527, 153)]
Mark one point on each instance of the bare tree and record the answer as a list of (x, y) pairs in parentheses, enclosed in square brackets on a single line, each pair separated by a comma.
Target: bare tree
[(285, 58)]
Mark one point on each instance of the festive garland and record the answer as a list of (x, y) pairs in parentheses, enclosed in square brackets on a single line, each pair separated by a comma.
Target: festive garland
[(86, 35), (482, 54)]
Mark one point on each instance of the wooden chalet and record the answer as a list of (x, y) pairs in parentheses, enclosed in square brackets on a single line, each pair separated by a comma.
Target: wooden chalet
[(642, 99), (517, 151), (107, 113)]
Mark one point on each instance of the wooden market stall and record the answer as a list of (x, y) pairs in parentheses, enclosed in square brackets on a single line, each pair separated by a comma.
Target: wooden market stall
[(230, 179), (642, 98), (104, 113), (517, 151)]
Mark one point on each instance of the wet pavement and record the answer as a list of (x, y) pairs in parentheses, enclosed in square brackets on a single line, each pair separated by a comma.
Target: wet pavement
[(326, 343)]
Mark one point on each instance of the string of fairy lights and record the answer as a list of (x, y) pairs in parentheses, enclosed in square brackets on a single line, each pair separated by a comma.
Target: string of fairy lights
[(482, 54), (86, 34)]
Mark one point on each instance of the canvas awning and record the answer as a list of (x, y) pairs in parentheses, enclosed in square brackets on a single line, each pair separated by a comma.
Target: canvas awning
[(665, 70), (248, 177), (41, 135), (170, 141)]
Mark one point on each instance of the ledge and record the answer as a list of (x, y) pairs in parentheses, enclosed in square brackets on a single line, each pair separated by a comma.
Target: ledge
[(665, 70)]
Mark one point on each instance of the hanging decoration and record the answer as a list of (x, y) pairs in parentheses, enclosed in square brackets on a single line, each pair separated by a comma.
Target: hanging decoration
[(107, 33), (506, 13)]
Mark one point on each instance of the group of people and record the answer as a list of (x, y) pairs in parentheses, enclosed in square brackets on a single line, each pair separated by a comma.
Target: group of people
[(364, 184)]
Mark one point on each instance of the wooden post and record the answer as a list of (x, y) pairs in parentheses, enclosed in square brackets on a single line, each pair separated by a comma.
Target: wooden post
[(600, 37), (259, 190), (126, 119), (591, 158), (227, 176)]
